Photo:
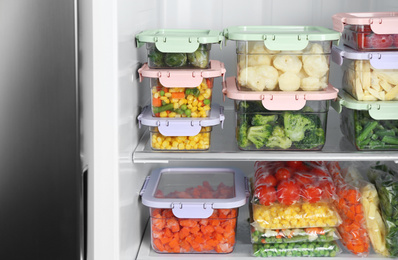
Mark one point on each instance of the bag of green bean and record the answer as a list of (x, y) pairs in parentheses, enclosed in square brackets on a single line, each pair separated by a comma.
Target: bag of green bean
[(314, 249)]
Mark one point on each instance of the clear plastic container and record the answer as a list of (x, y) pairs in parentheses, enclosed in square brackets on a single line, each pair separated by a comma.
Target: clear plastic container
[(316, 249), (199, 142), (182, 93), (179, 48), (194, 210), (368, 76), (260, 129), (181, 134), (282, 58), (369, 125), (373, 31)]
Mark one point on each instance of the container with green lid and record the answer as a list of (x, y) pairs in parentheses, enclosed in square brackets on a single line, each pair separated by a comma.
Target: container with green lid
[(369, 125), (179, 48), (286, 58)]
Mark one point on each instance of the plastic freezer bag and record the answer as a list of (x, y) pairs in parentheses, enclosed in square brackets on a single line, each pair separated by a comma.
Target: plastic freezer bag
[(269, 236), (316, 249)]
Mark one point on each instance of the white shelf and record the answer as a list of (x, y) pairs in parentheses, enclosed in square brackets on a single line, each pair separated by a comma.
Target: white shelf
[(223, 148), (242, 250)]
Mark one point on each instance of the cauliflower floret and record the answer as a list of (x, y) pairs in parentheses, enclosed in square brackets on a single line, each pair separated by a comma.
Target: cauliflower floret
[(311, 84), (288, 63), (315, 65), (258, 78), (302, 74), (254, 60), (289, 81)]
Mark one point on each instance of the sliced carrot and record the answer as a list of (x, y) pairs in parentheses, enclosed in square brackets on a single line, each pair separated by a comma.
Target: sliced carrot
[(178, 95)]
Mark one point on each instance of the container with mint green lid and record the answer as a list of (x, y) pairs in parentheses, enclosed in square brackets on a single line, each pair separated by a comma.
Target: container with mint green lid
[(178, 48), (286, 58), (369, 125)]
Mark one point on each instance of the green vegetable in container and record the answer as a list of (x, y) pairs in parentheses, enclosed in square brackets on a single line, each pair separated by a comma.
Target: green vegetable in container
[(296, 125), (175, 59), (156, 58), (278, 139), (199, 58), (258, 135)]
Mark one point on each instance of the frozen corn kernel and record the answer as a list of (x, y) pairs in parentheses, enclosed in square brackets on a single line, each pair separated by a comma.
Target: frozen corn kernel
[(163, 114), (200, 141)]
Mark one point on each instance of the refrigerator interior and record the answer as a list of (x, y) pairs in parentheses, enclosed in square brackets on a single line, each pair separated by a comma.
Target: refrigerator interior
[(115, 149)]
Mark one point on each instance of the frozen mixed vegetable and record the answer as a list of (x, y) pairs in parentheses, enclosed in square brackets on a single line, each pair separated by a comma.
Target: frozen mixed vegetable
[(315, 249), (354, 235), (295, 235), (259, 128), (385, 179), (182, 102), (261, 69), (215, 234)]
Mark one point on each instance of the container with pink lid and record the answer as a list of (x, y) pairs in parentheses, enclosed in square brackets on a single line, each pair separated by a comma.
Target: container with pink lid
[(274, 120), (368, 31)]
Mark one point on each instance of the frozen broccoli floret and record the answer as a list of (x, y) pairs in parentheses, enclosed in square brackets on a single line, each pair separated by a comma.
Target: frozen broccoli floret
[(175, 59), (199, 58), (263, 120), (258, 135), (312, 139), (296, 125), (278, 139), (156, 57), (242, 135)]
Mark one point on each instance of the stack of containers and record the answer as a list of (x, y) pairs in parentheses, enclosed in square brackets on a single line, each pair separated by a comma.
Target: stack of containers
[(281, 91), (194, 210), (181, 79), (292, 212), (368, 57)]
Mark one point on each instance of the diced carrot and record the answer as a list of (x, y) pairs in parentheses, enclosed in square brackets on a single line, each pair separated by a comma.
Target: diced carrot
[(172, 223), (176, 249), (158, 245), (219, 229), (167, 213), (167, 248), (209, 83), (188, 223), (173, 243), (218, 237), (184, 232), (178, 95), (156, 102), (156, 212), (199, 239), (358, 209), (167, 232), (207, 229), (158, 222), (186, 247), (215, 222), (194, 230), (165, 240)]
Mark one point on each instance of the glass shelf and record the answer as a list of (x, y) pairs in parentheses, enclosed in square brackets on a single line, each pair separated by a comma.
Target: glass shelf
[(223, 148)]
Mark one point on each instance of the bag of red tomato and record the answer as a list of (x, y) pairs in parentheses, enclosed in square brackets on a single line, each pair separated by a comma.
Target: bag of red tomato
[(292, 182)]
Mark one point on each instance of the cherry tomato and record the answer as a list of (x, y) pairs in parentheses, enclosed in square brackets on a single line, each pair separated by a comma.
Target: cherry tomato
[(269, 180), (329, 190), (312, 193), (381, 41), (282, 174), (265, 194), (363, 41), (294, 164), (304, 178), (288, 192), (318, 171), (396, 40)]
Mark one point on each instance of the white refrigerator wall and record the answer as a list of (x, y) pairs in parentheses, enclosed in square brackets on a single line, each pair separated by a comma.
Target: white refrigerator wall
[(112, 95)]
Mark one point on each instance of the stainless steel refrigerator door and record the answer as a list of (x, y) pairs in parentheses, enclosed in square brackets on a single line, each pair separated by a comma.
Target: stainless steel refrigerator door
[(40, 171)]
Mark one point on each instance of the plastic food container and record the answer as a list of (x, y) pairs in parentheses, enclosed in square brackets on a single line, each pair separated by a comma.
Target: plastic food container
[(286, 58), (182, 93), (178, 48), (369, 125), (368, 75), (194, 210), (368, 31), (280, 121), (181, 134)]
